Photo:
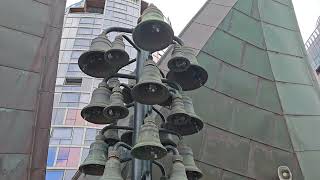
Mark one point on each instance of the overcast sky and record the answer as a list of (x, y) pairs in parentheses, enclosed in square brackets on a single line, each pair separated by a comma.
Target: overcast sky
[(181, 11)]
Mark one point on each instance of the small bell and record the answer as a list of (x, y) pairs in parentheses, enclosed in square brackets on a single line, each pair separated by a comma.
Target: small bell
[(193, 172), (178, 116), (95, 161), (194, 125), (178, 169), (168, 139), (100, 99), (152, 32), (113, 82), (116, 110), (126, 137), (178, 62), (93, 63), (111, 136), (194, 77), (149, 146), (284, 173), (112, 170), (150, 90), (117, 54)]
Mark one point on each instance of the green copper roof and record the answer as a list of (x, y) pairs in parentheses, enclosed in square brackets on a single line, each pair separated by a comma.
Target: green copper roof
[(261, 104)]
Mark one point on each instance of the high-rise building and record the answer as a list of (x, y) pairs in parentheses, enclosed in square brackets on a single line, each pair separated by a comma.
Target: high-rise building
[(261, 103), (71, 136), (313, 48)]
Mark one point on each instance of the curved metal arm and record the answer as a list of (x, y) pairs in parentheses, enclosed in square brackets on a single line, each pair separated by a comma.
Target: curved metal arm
[(172, 84), (117, 29), (178, 40), (131, 42), (130, 105), (159, 113), (161, 167), (173, 149), (120, 75), (116, 127), (121, 144)]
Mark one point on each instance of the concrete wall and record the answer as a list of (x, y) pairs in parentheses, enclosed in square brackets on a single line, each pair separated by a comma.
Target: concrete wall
[(30, 33)]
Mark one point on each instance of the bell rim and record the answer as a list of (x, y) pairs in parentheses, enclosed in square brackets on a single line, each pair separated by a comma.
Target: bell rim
[(141, 99), (171, 66), (88, 107), (83, 58), (169, 31), (124, 112), (135, 151), (126, 56), (184, 87), (195, 170), (183, 132), (101, 167)]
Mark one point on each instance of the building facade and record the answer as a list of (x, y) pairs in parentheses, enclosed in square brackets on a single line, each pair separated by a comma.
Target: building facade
[(70, 135), (313, 48)]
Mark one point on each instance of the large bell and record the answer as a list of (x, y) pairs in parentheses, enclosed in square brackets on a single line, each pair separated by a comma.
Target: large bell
[(100, 99), (92, 62), (112, 170), (117, 54), (178, 169), (150, 90), (152, 32), (194, 77), (192, 126), (111, 136), (178, 62), (95, 161), (149, 146), (116, 110), (193, 172), (178, 116)]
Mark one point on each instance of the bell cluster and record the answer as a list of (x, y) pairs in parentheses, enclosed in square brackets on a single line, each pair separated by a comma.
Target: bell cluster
[(112, 99)]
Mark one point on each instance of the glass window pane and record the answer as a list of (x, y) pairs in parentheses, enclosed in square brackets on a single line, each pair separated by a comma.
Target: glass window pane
[(82, 42), (58, 116), (86, 21), (70, 97), (61, 133), (69, 174), (51, 156), (85, 98), (77, 136), (74, 157), (63, 154), (73, 68), (96, 31), (76, 54), (54, 175), (85, 152), (84, 31)]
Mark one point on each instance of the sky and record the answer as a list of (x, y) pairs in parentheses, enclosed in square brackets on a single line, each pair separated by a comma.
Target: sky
[(181, 11)]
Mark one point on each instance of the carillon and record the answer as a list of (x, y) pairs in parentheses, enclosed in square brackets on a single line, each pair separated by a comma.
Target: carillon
[(144, 140)]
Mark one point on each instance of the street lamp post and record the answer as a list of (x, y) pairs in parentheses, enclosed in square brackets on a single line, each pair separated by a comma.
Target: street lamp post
[(145, 141)]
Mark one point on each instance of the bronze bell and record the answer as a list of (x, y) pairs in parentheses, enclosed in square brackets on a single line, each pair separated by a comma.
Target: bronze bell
[(192, 126), (178, 116), (150, 90), (113, 82), (152, 32), (178, 62), (149, 146), (100, 99), (193, 172), (112, 170), (178, 169), (116, 110), (194, 77), (92, 62), (117, 54), (95, 161), (168, 139), (111, 136)]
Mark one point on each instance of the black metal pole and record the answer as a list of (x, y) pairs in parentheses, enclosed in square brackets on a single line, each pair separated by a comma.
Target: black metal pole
[(139, 114)]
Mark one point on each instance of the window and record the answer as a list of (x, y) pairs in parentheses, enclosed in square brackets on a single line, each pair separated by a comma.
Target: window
[(51, 156), (69, 174), (84, 31), (58, 116), (86, 21), (90, 136), (81, 43), (96, 31), (62, 157), (54, 175), (70, 97), (61, 133), (77, 136), (85, 152), (73, 68), (76, 54), (73, 81), (85, 98)]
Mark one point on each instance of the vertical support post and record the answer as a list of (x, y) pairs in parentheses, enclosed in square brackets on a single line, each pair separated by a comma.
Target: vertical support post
[(139, 114)]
